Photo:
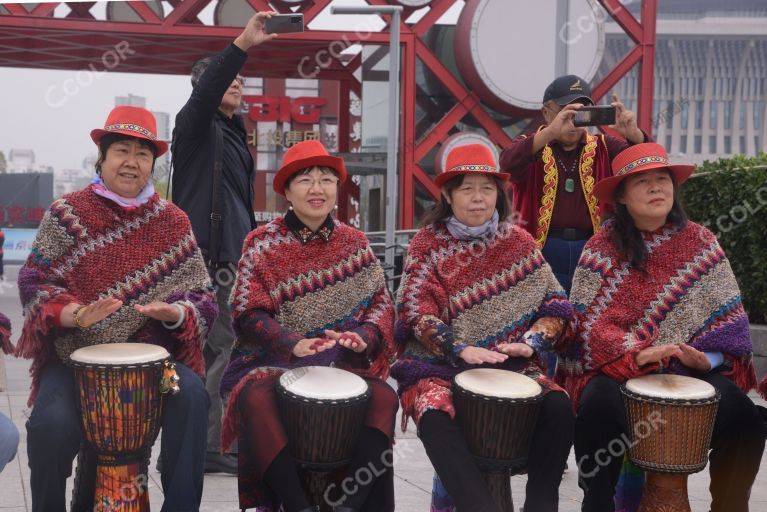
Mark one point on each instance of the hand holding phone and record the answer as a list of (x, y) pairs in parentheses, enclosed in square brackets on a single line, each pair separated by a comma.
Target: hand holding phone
[(598, 115), (255, 32), (285, 23)]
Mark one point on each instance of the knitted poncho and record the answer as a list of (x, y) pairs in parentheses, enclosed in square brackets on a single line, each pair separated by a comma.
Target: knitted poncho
[(287, 290), (87, 248), (479, 293), (5, 335), (687, 295)]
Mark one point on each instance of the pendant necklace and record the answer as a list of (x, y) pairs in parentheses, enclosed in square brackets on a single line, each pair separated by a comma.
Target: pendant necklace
[(569, 181)]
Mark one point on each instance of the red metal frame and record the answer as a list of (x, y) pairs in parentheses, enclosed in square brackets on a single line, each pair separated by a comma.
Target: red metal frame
[(38, 40)]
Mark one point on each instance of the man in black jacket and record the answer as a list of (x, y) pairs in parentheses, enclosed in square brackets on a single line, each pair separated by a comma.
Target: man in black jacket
[(219, 203)]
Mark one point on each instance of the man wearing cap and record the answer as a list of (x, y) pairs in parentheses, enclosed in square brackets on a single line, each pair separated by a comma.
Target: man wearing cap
[(208, 135), (553, 173)]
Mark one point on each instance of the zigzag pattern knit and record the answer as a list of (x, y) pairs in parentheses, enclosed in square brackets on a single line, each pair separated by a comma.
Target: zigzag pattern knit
[(478, 293), (89, 248), (286, 291), (688, 295)]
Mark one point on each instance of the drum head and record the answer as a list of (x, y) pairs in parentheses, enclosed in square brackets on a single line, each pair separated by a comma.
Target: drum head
[(120, 354), (675, 387), (498, 383), (323, 383)]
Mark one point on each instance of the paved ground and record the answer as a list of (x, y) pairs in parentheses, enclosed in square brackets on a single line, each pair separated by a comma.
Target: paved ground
[(413, 470)]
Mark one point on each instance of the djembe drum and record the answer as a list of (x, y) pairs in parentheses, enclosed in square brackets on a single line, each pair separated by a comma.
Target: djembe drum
[(121, 386), (322, 410), (671, 420), (497, 410)]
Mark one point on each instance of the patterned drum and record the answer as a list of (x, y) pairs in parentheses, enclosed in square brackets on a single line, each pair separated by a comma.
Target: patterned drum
[(671, 419), (497, 410), (322, 410), (121, 386)]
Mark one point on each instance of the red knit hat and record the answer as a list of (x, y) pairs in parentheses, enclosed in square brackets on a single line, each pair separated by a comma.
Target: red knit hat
[(638, 158), (469, 159), (134, 121), (309, 153)]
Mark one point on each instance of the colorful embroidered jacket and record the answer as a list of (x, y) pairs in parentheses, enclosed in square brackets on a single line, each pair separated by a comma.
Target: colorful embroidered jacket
[(688, 295), (479, 293), (88, 247), (287, 290), (534, 197)]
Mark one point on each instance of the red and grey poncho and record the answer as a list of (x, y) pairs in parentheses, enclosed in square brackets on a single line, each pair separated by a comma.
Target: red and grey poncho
[(688, 294), (478, 293), (88, 247)]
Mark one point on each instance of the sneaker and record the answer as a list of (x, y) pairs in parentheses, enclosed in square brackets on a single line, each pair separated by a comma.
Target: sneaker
[(219, 463)]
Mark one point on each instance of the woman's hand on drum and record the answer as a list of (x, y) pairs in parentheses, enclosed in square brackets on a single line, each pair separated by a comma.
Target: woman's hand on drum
[(694, 358), (479, 355), (311, 346), (515, 349), (161, 311), (88, 315), (348, 339), (657, 354)]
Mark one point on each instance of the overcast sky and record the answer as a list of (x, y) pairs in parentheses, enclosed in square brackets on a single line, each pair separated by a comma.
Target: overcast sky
[(35, 113)]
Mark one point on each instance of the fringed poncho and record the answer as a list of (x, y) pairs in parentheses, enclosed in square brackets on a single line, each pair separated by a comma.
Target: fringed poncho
[(476, 293), (287, 290), (688, 294), (292, 285), (88, 248), (5, 335)]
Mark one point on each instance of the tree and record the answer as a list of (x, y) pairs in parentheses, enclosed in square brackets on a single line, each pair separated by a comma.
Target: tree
[(3, 164)]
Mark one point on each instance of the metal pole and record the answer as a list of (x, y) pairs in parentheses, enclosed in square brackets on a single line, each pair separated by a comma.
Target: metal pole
[(392, 157), (563, 37)]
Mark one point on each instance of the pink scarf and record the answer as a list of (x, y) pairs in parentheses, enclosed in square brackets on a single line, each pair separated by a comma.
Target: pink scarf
[(100, 188)]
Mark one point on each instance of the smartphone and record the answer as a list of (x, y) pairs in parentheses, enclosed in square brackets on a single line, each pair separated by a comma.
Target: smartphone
[(285, 23), (599, 115)]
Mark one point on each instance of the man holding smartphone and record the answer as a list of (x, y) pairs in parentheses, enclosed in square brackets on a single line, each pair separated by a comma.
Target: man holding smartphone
[(213, 184), (554, 170)]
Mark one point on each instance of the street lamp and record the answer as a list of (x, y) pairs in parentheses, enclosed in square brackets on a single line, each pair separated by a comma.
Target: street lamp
[(393, 142)]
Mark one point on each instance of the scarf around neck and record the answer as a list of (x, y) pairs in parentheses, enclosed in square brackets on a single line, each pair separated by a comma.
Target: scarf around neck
[(100, 188), (463, 232)]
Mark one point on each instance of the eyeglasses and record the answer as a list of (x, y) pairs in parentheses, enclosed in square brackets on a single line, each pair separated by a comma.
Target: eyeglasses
[(240, 79), (307, 183)]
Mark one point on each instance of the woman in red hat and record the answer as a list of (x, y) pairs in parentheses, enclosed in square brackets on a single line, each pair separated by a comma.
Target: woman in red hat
[(309, 292), (115, 263), (476, 292), (655, 292)]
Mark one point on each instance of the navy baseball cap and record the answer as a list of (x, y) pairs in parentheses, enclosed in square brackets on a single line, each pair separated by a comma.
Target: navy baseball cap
[(567, 89)]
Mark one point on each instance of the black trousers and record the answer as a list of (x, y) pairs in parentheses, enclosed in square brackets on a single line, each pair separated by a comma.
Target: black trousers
[(736, 445), (449, 454), (368, 487)]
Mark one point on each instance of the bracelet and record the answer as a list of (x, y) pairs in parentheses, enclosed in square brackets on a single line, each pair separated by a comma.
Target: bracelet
[(76, 315), (180, 320)]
